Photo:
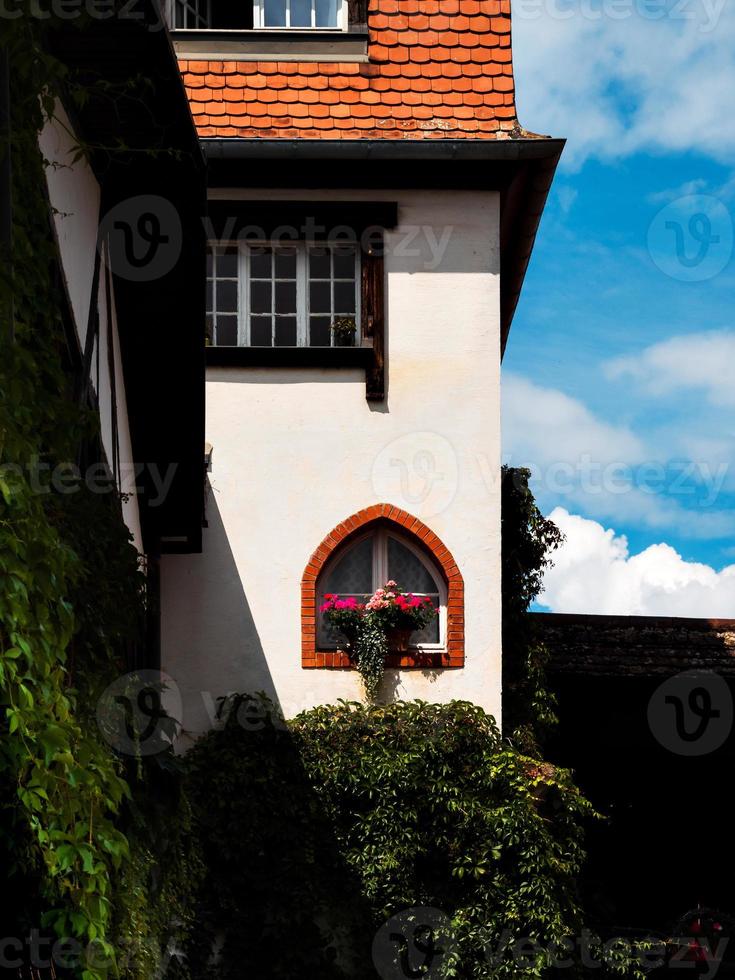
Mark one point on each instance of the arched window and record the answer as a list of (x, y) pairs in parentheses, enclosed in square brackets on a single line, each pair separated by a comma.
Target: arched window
[(363, 552), (368, 562)]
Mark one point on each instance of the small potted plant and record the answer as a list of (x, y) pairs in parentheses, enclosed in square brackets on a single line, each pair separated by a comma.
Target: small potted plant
[(344, 330), (401, 614), (344, 615), (374, 628)]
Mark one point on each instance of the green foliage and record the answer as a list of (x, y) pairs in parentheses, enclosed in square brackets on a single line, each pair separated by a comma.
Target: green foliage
[(368, 626), (528, 540), (315, 832), (370, 650), (154, 890), (70, 586)]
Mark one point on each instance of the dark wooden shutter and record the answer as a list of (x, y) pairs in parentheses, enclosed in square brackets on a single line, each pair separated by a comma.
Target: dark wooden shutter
[(357, 14), (373, 315)]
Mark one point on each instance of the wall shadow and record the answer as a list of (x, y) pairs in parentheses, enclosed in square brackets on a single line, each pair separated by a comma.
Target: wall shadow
[(278, 901), (213, 639)]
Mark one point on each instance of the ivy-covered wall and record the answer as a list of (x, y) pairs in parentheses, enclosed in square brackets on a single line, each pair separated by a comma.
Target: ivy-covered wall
[(72, 592)]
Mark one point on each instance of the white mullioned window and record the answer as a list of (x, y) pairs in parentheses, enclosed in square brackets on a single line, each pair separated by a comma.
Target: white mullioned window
[(263, 295), (189, 14), (372, 560), (300, 14)]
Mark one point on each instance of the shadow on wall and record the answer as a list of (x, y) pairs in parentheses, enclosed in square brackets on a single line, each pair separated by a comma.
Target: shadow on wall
[(209, 634), (279, 900)]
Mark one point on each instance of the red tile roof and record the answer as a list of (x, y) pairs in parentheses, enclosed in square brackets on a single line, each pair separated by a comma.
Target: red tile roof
[(439, 69)]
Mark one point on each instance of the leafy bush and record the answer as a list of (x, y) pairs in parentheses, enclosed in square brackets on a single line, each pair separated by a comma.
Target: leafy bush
[(528, 541), (315, 832)]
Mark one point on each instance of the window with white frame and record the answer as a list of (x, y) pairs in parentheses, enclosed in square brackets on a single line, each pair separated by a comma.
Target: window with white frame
[(301, 15), (190, 14), (282, 295), (367, 563)]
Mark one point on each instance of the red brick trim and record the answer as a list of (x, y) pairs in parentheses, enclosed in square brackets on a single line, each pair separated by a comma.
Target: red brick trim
[(453, 656)]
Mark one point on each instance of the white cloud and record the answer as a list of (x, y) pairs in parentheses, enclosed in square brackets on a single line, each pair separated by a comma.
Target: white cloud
[(607, 471), (566, 196), (544, 426), (686, 189), (620, 76), (594, 572), (698, 361)]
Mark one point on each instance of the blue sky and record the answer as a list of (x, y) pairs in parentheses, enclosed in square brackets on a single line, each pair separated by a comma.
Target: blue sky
[(617, 380)]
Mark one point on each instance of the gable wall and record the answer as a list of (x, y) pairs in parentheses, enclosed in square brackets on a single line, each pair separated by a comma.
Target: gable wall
[(74, 195), (297, 451)]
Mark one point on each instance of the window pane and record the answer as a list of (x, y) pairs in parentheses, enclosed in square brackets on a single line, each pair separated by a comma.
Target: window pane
[(430, 633), (260, 263), (353, 573), (285, 297), (210, 262), (286, 264), (326, 13), (227, 264), (210, 294), (260, 331), (227, 296), (412, 576), (300, 13), (320, 331), (320, 297), (260, 297), (209, 329), (320, 266), (408, 570), (285, 331), (344, 263), (226, 331), (275, 13), (344, 297)]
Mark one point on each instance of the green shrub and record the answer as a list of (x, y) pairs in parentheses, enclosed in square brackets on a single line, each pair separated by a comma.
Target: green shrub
[(315, 832)]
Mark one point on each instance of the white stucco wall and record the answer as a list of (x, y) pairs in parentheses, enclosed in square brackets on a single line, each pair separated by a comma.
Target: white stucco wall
[(74, 195), (296, 451)]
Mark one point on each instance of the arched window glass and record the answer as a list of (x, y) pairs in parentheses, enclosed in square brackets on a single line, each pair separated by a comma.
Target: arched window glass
[(366, 564)]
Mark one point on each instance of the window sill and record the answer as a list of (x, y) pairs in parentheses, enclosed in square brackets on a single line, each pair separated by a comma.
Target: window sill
[(296, 357), (272, 45), (411, 660)]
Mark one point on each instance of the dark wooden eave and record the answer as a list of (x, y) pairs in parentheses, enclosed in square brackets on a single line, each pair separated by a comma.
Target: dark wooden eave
[(520, 169), (142, 141)]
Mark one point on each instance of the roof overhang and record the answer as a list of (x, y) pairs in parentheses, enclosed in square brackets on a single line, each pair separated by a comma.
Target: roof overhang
[(143, 141), (521, 170)]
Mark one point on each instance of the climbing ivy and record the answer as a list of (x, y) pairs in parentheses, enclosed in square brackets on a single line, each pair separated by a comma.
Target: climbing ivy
[(317, 832), (71, 590), (528, 542)]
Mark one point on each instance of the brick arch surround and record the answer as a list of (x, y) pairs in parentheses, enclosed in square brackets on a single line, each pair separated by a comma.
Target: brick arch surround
[(407, 524)]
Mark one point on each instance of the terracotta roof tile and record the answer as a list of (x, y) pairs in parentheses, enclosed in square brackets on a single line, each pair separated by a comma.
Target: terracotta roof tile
[(438, 69)]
